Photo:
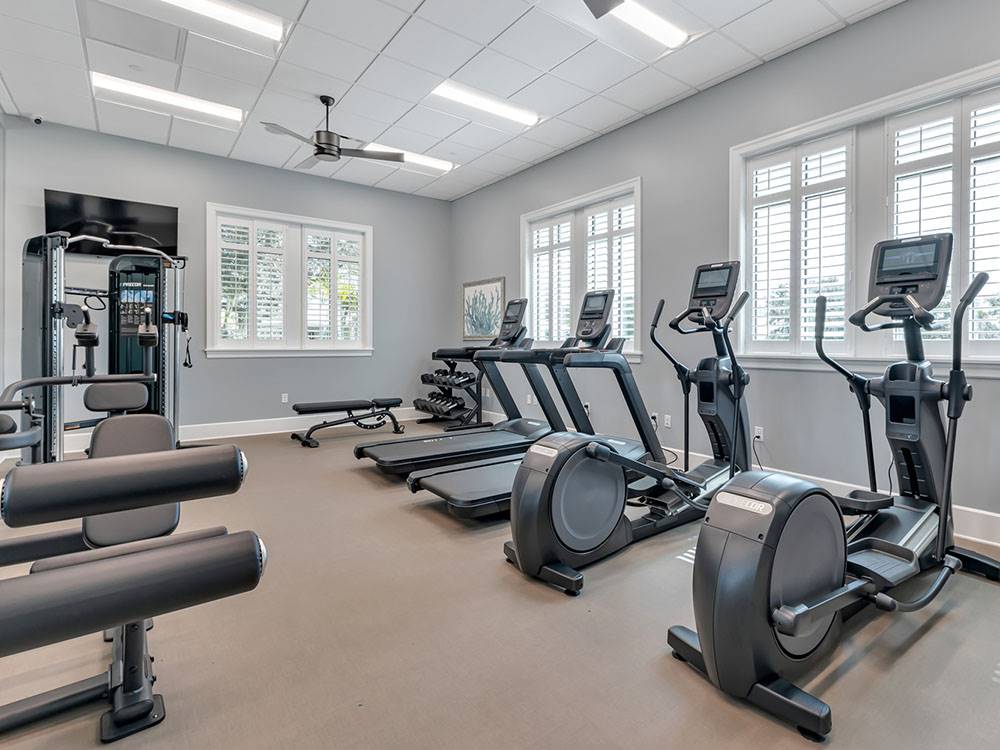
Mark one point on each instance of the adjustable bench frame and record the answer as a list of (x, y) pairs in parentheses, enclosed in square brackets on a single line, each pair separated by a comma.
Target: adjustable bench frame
[(380, 414)]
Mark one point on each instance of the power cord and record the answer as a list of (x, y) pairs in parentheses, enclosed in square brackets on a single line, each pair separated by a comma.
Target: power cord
[(753, 446), (888, 472)]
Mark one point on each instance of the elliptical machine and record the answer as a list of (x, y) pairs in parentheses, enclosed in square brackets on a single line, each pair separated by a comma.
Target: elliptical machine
[(570, 493), (777, 570)]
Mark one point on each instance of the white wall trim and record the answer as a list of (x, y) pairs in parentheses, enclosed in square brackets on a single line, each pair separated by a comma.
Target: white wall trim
[(982, 368), (973, 524)]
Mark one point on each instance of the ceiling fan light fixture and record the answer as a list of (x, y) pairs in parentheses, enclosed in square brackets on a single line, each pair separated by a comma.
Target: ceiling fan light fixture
[(477, 100), (256, 22), (649, 23), (410, 158), (122, 86)]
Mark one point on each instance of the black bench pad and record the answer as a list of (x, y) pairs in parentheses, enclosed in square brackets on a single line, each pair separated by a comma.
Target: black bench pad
[(316, 407)]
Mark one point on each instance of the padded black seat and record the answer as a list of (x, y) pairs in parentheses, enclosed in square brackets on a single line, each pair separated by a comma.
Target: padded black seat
[(315, 407), (386, 403)]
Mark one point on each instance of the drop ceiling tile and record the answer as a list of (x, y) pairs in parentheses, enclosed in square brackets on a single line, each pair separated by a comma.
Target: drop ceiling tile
[(480, 137), (596, 67), (327, 54), (457, 153), (405, 181), (497, 164), (598, 114), (778, 24), (46, 88), (295, 113), (131, 122), (548, 96), (720, 12), (540, 40), (6, 102), (355, 127), (558, 133), (370, 23), (287, 9), (407, 140), (525, 149), (480, 20), (430, 121), (257, 145), (647, 89), (496, 74), (374, 105), (130, 65), (363, 171), (196, 136), (399, 79), (230, 62), (215, 88), (57, 14), (299, 81), (705, 60), (108, 23), (408, 5), (41, 42), (444, 191), (855, 10), (469, 176), (430, 47)]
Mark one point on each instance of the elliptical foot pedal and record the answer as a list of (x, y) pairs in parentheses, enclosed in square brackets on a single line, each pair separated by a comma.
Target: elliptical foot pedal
[(685, 646), (807, 713), (568, 579), (112, 731)]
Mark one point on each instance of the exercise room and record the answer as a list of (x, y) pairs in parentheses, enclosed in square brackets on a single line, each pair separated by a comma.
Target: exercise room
[(499, 374)]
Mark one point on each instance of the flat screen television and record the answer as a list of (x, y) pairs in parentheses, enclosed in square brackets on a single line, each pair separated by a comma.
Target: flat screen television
[(121, 222)]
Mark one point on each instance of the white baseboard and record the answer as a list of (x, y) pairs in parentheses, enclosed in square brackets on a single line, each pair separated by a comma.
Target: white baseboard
[(971, 524)]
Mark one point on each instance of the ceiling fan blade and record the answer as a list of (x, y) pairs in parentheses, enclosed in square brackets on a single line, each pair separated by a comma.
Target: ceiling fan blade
[(380, 155), (602, 7), (273, 127), (308, 163)]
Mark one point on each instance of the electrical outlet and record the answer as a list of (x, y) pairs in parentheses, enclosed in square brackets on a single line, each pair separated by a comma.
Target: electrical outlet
[(586, 407), (666, 421), (758, 433), (529, 399), (284, 398), (654, 418)]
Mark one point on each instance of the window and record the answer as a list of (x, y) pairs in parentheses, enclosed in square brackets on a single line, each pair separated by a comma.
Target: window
[(797, 237), (286, 285), (583, 244), (809, 213)]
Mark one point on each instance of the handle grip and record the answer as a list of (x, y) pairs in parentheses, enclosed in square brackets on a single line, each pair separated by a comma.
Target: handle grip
[(656, 315), (974, 289), (820, 317), (737, 307)]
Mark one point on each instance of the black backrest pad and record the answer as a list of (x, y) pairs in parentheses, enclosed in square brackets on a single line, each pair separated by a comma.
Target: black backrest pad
[(122, 436), (115, 396), (41, 493)]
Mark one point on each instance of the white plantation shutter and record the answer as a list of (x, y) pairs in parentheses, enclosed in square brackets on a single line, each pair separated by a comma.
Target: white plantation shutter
[(349, 288), (234, 280), (269, 283), (611, 262), (551, 278), (923, 189), (984, 218), (798, 238), (319, 298)]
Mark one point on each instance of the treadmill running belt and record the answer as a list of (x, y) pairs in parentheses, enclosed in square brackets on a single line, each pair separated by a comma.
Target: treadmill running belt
[(405, 456), (475, 492)]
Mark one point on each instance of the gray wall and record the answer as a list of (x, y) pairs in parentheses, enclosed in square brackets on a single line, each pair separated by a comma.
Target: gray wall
[(411, 249), (810, 420)]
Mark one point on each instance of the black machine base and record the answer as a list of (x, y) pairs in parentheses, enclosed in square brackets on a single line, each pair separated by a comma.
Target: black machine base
[(977, 564), (111, 731), (777, 696)]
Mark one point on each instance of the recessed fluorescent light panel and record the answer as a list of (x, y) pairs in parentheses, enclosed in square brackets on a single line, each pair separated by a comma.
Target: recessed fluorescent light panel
[(650, 24), (477, 100), (411, 158), (122, 91), (253, 21)]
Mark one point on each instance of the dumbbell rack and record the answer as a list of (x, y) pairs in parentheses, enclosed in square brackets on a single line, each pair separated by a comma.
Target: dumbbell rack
[(458, 400)]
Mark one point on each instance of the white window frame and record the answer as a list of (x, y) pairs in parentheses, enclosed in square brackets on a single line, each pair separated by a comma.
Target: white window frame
[(295, 343), (795, 346), (971, 86), (573, 207)]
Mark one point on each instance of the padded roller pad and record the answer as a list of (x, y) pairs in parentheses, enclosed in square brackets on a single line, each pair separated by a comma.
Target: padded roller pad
[(66, 603), (115, 396), (41, 493), (7, 425)]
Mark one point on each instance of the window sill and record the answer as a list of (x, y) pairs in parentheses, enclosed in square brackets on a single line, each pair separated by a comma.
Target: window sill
[(286, 353), (987, 368)]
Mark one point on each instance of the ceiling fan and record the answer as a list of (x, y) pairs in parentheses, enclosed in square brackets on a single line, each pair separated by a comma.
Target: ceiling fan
[(602, 7), (326, 143)]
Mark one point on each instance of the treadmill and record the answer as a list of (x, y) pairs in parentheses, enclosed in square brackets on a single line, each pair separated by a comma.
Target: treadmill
[(513, 435), (483, 488)]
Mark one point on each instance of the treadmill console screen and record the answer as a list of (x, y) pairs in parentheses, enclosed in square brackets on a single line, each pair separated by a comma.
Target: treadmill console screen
[(514, 312), (907, 263), (594, 304), (712, 282), (594, 316)]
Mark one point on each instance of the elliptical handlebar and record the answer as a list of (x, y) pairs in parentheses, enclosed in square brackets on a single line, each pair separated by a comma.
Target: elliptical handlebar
[(923, 316), (683, 372), (959, 319)]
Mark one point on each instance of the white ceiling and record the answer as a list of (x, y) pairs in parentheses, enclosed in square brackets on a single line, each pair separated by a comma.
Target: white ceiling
[(381, 59)]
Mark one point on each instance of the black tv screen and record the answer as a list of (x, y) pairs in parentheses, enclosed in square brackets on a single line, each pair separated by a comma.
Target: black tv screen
[(121, 222)]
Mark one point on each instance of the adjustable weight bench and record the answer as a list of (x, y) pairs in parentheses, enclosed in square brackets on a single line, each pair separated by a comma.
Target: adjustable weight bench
[(378, 409)]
